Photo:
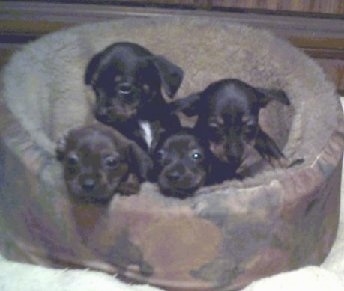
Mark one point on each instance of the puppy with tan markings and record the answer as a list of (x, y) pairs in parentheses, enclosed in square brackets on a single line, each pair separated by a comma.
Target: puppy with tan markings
[(181, 164), (129, 81), (99, 162), (228, 113)]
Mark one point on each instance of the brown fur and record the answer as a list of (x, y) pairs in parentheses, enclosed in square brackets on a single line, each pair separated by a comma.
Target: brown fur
[(98, 162)]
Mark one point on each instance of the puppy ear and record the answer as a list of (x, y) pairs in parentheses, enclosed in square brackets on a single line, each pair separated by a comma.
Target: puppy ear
[(171, 75), (60, 149), (266, 95), (189, 105), (139, 161), (92, 71)]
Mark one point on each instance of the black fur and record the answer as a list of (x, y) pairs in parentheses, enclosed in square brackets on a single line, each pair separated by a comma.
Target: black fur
[(228, 112), (128, 81)]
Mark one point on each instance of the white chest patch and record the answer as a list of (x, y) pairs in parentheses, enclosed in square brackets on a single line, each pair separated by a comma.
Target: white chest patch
[(147, 132)]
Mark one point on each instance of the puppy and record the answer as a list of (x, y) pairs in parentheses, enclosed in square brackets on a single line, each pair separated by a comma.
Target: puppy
[(128, 80), (98, 162), (181, 164), (228, 112)]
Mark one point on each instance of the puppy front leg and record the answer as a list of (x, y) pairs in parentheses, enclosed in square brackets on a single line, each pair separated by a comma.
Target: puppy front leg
[(130, 186)]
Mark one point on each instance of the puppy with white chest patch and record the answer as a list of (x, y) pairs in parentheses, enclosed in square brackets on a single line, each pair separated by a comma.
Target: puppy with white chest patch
[(99, 162), (128, 81)]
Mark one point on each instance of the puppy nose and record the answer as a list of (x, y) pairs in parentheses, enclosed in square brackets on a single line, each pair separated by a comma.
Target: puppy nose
[(174, 175), (88, 184), (125, 88)]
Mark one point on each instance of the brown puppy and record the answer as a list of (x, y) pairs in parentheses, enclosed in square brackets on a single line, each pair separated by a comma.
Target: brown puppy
[(182, 164), (98, 162)]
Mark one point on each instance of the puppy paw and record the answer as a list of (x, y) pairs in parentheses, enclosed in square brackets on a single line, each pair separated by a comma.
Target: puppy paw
[(285, 163), (129, 187)]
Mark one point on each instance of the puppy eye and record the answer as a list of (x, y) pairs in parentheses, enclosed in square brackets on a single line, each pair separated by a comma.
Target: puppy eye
[(249, 128), (197, 156), (111, 162), (72, 160), (248, 121)]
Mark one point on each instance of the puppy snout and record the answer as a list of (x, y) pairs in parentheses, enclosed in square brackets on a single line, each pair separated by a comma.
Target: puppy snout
[(175, 174), (125, 88), (234, 151), (88, 184)]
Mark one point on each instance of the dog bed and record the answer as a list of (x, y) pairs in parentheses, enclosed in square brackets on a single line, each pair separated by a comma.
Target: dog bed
[(228, 234)]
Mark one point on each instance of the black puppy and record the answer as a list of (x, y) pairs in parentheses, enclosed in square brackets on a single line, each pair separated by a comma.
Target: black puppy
[(181, 164), (98, 162), (128, 80), (228, 112)]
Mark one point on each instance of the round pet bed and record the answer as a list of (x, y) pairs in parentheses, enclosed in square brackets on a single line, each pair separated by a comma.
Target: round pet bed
[(228, 234)]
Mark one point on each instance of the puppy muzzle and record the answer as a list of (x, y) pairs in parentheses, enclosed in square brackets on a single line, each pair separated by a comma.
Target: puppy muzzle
[(90, 189), (88, 185), (181, 182), (125, 88)]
